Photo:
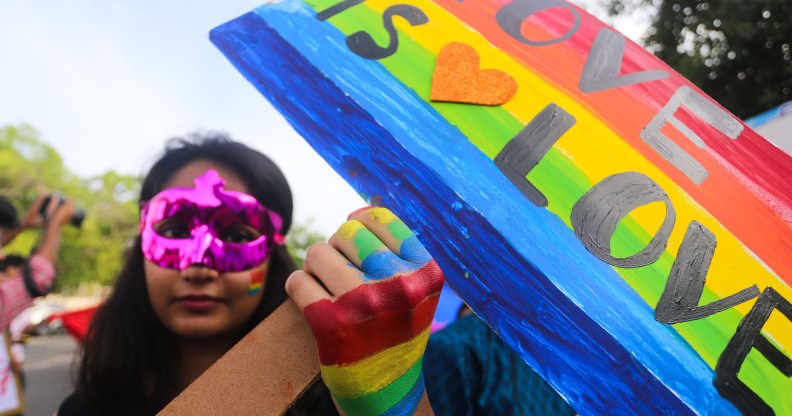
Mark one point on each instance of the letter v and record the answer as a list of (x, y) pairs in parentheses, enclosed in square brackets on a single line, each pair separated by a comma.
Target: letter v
[(685, 285), (604, 63)]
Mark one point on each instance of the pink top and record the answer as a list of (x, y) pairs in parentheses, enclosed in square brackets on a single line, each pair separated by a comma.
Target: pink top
[(14, 297)]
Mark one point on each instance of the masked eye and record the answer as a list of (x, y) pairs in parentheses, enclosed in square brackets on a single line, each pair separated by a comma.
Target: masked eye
[(239, 234), (173, 229)]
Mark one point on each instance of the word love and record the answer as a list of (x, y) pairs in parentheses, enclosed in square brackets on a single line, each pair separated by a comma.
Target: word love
[(596, 215), (554, 212)]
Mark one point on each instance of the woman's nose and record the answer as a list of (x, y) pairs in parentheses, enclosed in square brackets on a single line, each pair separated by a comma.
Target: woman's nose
[(199, 272), (199, 251)]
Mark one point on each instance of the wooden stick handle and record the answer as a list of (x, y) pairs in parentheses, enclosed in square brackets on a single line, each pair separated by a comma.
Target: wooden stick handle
[(263, 374)]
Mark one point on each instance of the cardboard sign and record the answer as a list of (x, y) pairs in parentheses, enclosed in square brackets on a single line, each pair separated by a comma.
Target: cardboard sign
[(629, 237), (12, 400), (259, 363)]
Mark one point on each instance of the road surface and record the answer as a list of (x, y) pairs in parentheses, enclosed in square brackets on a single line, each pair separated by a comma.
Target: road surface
[(48, 373)]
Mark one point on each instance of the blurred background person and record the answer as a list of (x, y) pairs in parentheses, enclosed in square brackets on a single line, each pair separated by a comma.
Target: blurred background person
[(12, 265), (11, 226), (475, 372), (35, 276)]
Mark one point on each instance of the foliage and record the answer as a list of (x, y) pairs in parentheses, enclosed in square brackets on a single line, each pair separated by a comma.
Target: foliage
[(737, 51), (299, 239), (92, 254)]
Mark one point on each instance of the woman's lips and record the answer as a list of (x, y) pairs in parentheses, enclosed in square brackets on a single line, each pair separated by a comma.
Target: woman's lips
[(198, 302)]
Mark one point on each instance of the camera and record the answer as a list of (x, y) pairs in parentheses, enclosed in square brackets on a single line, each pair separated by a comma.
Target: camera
[(77, 218)]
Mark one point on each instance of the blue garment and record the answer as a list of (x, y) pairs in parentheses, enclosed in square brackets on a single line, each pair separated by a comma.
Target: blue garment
[(469, 370)]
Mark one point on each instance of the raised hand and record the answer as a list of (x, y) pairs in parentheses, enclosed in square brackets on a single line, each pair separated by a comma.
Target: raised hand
[(32, 217), (369, 295)]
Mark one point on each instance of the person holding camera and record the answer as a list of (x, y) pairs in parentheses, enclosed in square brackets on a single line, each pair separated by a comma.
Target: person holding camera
[(10, 226), (17, 291)]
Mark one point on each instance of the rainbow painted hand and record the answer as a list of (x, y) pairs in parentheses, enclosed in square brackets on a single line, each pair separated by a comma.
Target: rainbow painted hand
[(371, 319)]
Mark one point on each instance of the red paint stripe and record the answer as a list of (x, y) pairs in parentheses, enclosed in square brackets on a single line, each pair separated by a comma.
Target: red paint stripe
[(257, 276), (748, 191), (371, 318)]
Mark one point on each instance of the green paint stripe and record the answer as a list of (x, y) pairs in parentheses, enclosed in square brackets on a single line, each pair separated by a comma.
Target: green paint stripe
[(490, 128), (367, 243), (756, 377), (399, 231), (378, 402)]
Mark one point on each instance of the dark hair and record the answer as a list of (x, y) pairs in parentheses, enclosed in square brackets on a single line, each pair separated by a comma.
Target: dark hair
[(8, 214), (12, 260), (129, 361)]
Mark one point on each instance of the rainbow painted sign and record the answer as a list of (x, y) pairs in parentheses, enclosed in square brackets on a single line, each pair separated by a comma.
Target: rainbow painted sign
[(626, 235)]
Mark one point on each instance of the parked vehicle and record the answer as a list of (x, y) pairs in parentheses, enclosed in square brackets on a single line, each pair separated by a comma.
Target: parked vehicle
[(45, 320)]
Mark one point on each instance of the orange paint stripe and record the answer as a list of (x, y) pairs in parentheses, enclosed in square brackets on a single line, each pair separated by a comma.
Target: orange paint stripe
[(727, 198)]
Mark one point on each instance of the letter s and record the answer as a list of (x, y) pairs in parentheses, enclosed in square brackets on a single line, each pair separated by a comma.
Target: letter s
[(362, 44)]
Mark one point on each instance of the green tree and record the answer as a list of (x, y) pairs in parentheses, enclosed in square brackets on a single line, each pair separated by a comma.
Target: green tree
[(300, 237), (92, 253), (28, 164), (737, 51)]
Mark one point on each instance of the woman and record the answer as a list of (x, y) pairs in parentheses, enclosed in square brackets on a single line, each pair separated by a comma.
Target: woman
[(164, 324), (208, 266)]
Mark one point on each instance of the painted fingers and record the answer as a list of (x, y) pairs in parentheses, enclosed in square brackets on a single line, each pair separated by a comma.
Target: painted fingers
[(369, 296)]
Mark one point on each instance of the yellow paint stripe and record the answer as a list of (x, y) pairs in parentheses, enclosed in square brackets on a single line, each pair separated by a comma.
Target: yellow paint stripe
[(376, 372), (381, 215), (599, 152), (348, 229)]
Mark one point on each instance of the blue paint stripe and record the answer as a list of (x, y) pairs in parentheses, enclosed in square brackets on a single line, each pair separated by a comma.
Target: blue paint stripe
[(620, 383), (384, 264), (409, 403), (390, 103), (413, 251)]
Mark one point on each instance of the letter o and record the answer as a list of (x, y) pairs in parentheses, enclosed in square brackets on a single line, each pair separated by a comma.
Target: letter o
[(511, 16), (596, 215)]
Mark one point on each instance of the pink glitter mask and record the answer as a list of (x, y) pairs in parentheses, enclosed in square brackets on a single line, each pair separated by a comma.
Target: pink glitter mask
[(224, 230)]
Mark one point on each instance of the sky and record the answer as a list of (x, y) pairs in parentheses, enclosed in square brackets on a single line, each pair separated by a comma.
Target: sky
[(107, 82)]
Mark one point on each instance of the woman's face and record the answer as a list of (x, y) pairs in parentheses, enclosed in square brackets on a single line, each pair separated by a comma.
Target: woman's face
[(198, 301)]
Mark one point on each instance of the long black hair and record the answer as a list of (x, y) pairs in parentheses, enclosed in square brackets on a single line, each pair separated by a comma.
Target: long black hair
[(129, 360), (8, 214)]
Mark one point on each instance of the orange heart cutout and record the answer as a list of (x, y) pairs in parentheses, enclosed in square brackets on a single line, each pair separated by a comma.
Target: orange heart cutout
[(457, 78)]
